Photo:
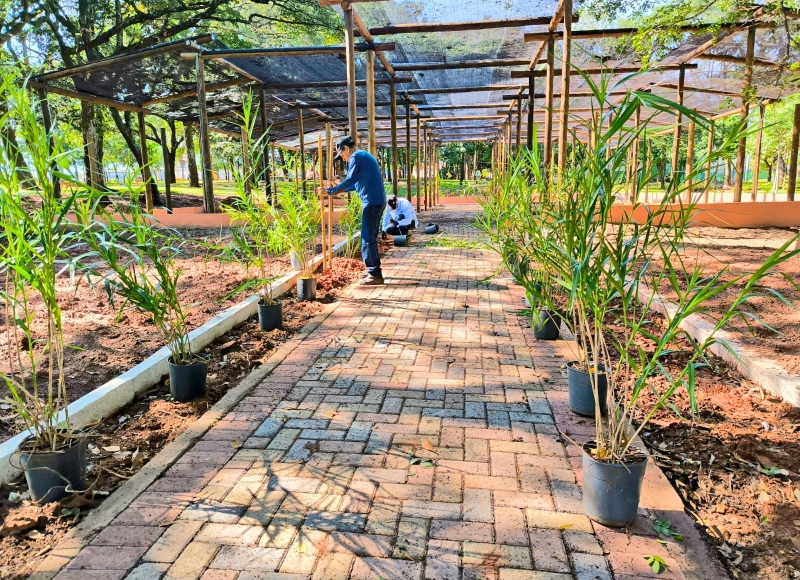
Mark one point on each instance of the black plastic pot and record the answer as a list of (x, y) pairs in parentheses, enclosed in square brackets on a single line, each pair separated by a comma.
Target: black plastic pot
[(548, 325), (307, 289), (611, 491), (270, 316), (401, 241), (53, 474), (581, 396), (432, 229), (187, 382)]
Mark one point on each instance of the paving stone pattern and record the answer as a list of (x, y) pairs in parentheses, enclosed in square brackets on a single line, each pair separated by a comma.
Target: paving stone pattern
[(329, 485)]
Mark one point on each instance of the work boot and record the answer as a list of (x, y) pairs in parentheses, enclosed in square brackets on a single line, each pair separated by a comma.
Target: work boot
[(371, 280)]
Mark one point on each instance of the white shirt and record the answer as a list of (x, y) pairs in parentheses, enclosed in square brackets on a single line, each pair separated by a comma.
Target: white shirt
[(404, 208)]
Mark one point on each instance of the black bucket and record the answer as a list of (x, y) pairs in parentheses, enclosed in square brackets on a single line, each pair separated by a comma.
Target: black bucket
[(547, 327), (432, 229), (307, 289), (611, 491), (401, 241), (270, 316), (187, 382), (53, 474), (581, 396)]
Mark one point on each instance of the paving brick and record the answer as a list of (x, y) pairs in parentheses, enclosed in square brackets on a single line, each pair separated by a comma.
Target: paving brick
[(246, 558), (216, 513), (170, 545), (218, 575), (510, 526), (478, 505), (584, 542), (503, 464), (107, 558), (412, 538), (229, 534), (302, 554), (293, 484), (498, 555), (511, 574), (523, 500), (404, 491), (476, 450), (262, 509), (131, 536), (591, 567), (548, 551), (443, 561), (148, 571), (381, 475), (461, 531), (281, 531), (386, 569), (447, 487), (383, 518), (333, 521), (361, 544), (90, 575), (431, 509), (551, 520), (492, 483), (192, 561), (333, 566)]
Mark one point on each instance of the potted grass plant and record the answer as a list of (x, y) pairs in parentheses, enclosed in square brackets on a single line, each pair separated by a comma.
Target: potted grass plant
[(255, 241), (134, 260), (349, 224), (601, 267), (296, 225), (34, 244)]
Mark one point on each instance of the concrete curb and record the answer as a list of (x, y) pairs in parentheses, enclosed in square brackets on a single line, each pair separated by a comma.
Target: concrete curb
[(118, 392), (79, 536), (763, 371)]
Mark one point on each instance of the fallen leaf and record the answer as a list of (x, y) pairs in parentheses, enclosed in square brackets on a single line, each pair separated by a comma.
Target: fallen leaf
[(112, 448), (35, 535), (236, 444), (565, 527), (764, 497), (302, 548), (428, 446), (137, 458)]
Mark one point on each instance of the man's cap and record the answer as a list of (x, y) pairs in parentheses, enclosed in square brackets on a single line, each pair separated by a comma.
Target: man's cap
[(346, 141)]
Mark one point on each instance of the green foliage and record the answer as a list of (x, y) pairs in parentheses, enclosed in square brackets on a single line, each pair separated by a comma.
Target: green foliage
[(297, 221), (350, 223), (657, 564), (35, 239), (664, 528)]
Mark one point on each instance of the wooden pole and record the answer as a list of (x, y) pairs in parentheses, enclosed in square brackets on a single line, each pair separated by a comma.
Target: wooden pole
[(350, 57), (373, 146), (330, 164), (408, 148), (419, 166), (547, 156), (637, 120), (741, 152), (205, 143), (393, 93), (301, 132), (245, 142), (793, 159), (265, 162), (274, 175), (676, 136), (148, 186), (426, 163), (531, 97), (322, 195), (709, 149), (165, 154), (649, 171), (757, 152), (47, 123), (566, 59), (519, 124), (690, 161)]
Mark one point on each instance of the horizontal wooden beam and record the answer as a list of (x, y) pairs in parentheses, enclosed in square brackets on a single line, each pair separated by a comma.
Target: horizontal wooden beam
[(424, 27), (456, 107), (294, 50), (709, 91), (90, 98), (342, 104), (335, 84), (449, 90), (193, 92), (620, 32), (463, 118), (460, 64), (524, 74), (325, 3), (738, 60), (576, 95)]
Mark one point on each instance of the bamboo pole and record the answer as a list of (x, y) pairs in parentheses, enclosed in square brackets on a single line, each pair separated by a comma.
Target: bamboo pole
[(531, 93), (419, 168), (265, 162), (350, 58), (547, 157), (205, 144), (710, 148), (519, 124), (393, 98), (167, 165), (148, 185), (372, 146), (690, 161), (330, 164), (301, 133), (637, 121), (47, 123), (649, 171), (566, 59), (757, 152), (408, 148), (426, 162), (790, 190), (741, 152), (676, 136), (322, 195), (245, 142)]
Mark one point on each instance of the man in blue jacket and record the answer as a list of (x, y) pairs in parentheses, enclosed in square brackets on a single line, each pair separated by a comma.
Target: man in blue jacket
[(364, 177)]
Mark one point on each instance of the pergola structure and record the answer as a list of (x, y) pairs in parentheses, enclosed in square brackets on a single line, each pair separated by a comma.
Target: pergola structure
[(446, 71)]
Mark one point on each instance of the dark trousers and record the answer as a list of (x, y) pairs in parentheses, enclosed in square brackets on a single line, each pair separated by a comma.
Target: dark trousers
[(401, 230), (370, 228)]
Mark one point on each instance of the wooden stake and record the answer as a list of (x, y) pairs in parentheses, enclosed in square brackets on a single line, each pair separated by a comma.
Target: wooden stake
[(408, 148), (709, 179), (676, 137), (245, 142), (373, 146), (649, 171), (793, 159), (350, 58), (322, 195), (566, 59), (690, 162), (301, 132), (547, 157), (637, 120), (531, 93), (47, 122), (757, 152), (331, 164), (148, 186), (425, 161), (265, 163), (745, 111), (519, 124), (393, 98), (419, 167), (205, 144), (165, 154)]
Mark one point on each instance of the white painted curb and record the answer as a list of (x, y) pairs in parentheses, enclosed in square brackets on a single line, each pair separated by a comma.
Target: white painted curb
[(762, 371), (118, 392)]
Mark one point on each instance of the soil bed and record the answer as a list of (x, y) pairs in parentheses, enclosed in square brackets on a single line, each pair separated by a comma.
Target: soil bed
[(126, 441)]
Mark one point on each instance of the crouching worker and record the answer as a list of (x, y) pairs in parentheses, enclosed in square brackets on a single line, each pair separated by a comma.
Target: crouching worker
[(399, 217)]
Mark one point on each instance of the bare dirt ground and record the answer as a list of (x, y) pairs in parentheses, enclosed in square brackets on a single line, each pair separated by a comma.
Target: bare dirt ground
[(125, 442)]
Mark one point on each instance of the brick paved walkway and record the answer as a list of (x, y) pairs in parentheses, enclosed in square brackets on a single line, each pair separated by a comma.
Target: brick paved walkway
[(433, 365)]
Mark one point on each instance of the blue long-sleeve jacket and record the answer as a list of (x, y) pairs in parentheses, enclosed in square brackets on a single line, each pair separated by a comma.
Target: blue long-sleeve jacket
[(364, 177)]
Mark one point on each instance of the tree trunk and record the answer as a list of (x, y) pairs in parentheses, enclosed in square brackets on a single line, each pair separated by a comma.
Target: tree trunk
[(172, 150), (780, 171), (191, 160), (21, 166), (728, 173)]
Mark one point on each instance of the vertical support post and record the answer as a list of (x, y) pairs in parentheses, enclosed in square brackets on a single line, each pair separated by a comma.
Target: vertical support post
[(710, 148), (372, 146), (301, 132), (47, 122), (246, 169), (757, 152), (350, 57), (322, 196), (274, 176), (547, 156), (531, 94), (165, 153), (419, 165), (649, 171), (741, 152), (793, 159), (408, 148), (205, 143), (148, 186), (329, 150), (637, 120), (519, 123), (566, 59), (393, 106), (690, 162), (598, 128), (676, 136), (262, 111), (426, 163)]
